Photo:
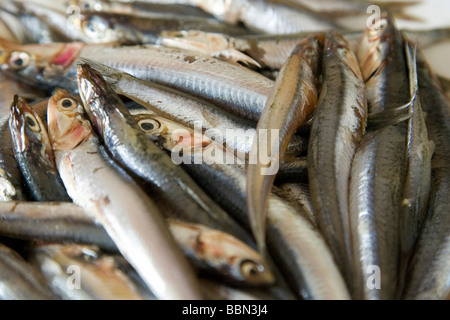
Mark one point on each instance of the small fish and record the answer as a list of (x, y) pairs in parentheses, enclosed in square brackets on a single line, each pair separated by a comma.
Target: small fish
[(130, 147), (429, 269), (290, 105), (378, 170), (338, 126), (301, 254), (298, 195), (221, 254), (107, 194), (418, 176), (83, 272), (34, 153), (20, 280)]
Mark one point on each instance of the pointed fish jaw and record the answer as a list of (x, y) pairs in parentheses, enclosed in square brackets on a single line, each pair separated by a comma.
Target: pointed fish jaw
[(66, 125), (16, 125)]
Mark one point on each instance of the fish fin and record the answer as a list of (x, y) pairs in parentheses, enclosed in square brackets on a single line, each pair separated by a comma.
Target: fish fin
[(385, 118)]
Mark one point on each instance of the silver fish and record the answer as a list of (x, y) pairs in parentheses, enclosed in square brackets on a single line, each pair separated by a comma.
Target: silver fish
[(429, 270), (338, 125), (51, 222), (298, 247), (290, 104), (141, 156), (113, 199), (34, 153)]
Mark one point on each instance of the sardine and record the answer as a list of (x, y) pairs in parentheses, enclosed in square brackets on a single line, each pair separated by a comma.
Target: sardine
[(418, 176), (297, 246), (19, 280), (338, 126), (126, 29), (141, 156), (34, 153), (232, 87), (215, 290), (221, 254), (261, 16), (290, 104), (429, 270), (379, 166), (113, 199)]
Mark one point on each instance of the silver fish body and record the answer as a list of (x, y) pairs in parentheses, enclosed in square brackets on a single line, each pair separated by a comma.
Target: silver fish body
[(131, 148), (34, 154), (338, 126), (107, 194)]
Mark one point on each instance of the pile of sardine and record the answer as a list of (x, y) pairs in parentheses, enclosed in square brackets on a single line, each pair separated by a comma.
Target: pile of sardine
[(239, 149)]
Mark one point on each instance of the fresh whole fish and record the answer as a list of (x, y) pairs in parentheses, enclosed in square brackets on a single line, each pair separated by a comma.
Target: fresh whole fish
[(232, 87), (107, 194), (228, 257), (297, 246), (297, 195), (429, 269), (379, 166), (290, 105), (132, 149), (34, 154), (418, 175), (338, 126), (19, 280), (261, 16), (51, 222)]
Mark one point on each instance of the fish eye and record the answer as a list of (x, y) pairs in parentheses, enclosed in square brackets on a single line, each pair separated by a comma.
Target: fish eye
[(31, 122), (67, 103), (19, 59), (149, 125), (250, 268)]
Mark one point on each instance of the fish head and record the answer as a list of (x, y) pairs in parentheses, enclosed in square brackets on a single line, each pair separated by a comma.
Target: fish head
[(97, 28), (375, 46), (168, 133), (336, 44), (28, 130), (98, 97), (34, 62), (67, 124)]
